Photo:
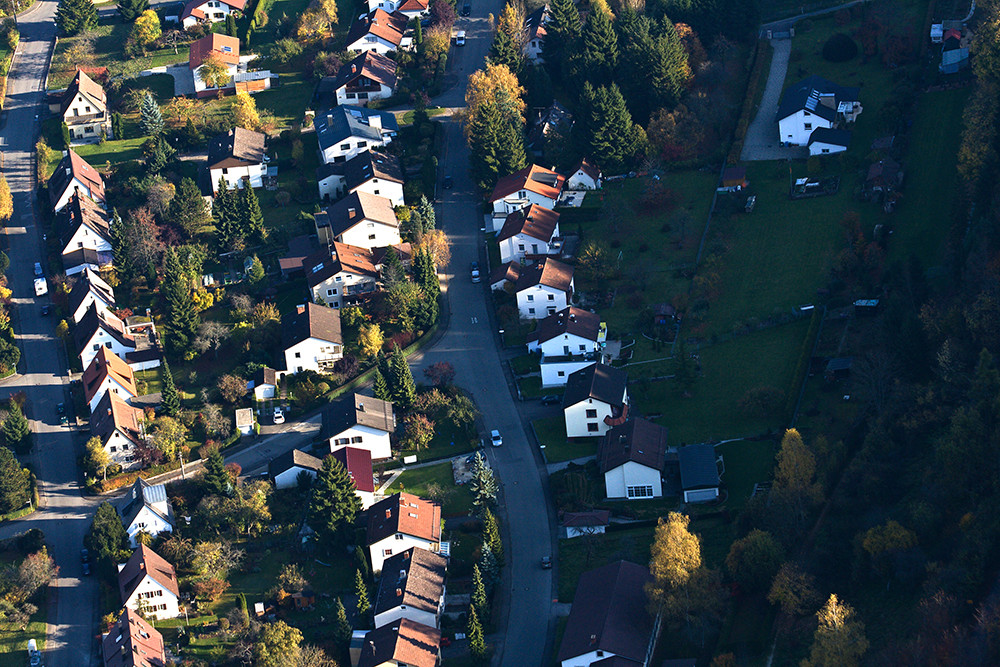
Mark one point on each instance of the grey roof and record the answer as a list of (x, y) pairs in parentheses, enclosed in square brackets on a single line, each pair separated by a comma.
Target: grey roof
[(345, 121), (236, 148), (806, 95), (292, 459), (698, 467), (143, 494), (371, 164), (358, 410), (599, 382), (314, 321), (355, 208), (414, 578), (827, 136)]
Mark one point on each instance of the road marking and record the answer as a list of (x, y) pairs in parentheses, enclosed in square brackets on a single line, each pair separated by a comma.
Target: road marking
[(475, 320)]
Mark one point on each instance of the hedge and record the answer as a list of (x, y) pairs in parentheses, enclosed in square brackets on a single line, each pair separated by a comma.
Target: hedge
[(757, 74), (805, 354)]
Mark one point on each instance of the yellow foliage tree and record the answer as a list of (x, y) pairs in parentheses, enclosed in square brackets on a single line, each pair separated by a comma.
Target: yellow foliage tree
[(245, 111), (511, 21), (436, 243), (370, 339), (214, 72), (840, 638), (795, 474), (674, 556), (496, 84), (147, 28), (316, 21), (6, 201)]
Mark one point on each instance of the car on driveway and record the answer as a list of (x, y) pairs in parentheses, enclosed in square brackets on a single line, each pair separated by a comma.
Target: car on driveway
[(279, 416), (474, 272), (551, 399), (495, 438), (546, 562), (466, 9)]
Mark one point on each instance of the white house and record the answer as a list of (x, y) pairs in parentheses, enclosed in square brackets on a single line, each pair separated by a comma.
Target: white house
[(815, 103), (541, 289), (368, 77), (226, 49), (101, 328), (534, 33), (86, 241), (145, 508), (596, 399), (380, 32), (631, 458), (341, 275), (825, 142), (312, 338), (610, 622), (345, 131), (148, 583), (107, 373), (284, 470), (265, 384), (245, 420), (529, 232), (409, 8), (132, 642), (84, 109), (585, 176), (567, 341), (237, 156), (376, 173), (73, 175), (357, 461), (400, 522), (89, 289), (361, 422), (401, 643), (411, 586), (209, 11), (699, 473), (359, 219), (119, 427), (531, 185), (579, 524)]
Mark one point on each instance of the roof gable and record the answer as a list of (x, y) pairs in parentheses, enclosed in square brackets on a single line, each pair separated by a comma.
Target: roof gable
[(407, 514), (535, 221), (369, 64), (404, 642), (225, 47), (312, 321), (133, 642), (293, 459), (548, 272), (808, 95), (698, 466), (371, 164), (533, 178), (414, 579), (598, 381), (573, 321), (347, 121), (146, 563), (106, 364), (89, 282), (358, 464), (72, 166), (84, 85), (237, 147), (637, 440)]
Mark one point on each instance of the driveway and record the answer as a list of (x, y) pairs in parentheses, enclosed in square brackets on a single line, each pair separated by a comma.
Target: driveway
[(761, 141), (64, 514)]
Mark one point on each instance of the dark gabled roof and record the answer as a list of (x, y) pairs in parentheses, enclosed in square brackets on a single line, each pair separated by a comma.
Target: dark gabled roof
[(353, 209), (535, 221), (589, 168), (358, 410), (371, 164), (82, 210), (335, 125), (88, 257), (637, 440), (404, 642), (609, 613), (100, 318), (586, 519), (145, 561), (414, 578), (299, 247), (548, 272), (72, 165), (509, 272), (358, 464), (143, 494), (534, 24), (597, 381), (825, 135), (572, 320), (237, 148), (698, 467), (312, 321), (265, 376), (133, 642), (87, 282), (407, 514), (369, 65), (292, 459), (806, 95)]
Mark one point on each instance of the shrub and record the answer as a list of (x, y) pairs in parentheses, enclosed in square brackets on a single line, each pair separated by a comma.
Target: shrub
[(840, 48)]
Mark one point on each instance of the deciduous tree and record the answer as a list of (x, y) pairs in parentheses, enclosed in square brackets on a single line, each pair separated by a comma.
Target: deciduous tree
[(418, 431), (370, 340), (795, 475), (146, 29), (213, 72), (95, 459), (278, 644), (169, 435), (245, 111), (754, 560), (793, 590), (840, 638), (6, 201)]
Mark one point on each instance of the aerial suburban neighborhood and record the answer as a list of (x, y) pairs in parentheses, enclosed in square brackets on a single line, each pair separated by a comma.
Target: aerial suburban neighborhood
[(408, 333)]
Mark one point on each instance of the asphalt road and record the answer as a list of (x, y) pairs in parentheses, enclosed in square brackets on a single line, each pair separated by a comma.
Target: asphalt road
[(64, 513)]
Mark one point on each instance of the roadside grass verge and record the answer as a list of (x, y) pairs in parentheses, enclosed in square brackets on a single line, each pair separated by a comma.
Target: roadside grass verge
[(14, 641)]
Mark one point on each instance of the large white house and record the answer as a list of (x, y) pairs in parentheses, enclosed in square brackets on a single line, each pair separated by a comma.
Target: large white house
[(379, 32), (119, 427), (225, 49), (341, 275), (531, 185), (284, 469), (402, 643), (101, 328), (540, 289), (370, 76), (567, 341), (312, 338), (362, 422), (86, 241), (237, 156), (528, 233), (89, 289), (376, 173), (84, 109), (107, 373), (73, 175), (400, 522), (209, 11), (585, 176), (148, 583), (826, 142), (145, 509), (815, 103), (345, 131), (631, 458), (596, 399), (411, 586), (359, 219)]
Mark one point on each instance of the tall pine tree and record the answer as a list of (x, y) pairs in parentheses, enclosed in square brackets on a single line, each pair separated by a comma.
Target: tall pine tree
[(361, 592), (187, 209), (150, 118), (251, 217), (428, 220), (401, 384), (76, 16), (474, 633), (333, 506), (180, 309), (380, 386), (16, 430), (226, 214), (216, 480), (130, 10), (507, 48), (610, 132), (561, 35), (484, 145), (596, 59), (170, 399), (15, 483)]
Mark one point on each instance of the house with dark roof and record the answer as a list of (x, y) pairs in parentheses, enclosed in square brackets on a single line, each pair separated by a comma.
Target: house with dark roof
[(379, 32), (284, 469), (531, 185), (90, 288), (400, 522), (357, 461), (370, 76), (825, 141), (529, 233), (362, 422), (534, 33), (120, 428), (577, 524), (237, 156), (699, 473), (132, 642), (148, 583), (108, 373), (264, 383), (401, 644), (411, 587), (567, 340), (596, 400), (292, 264), (74, 175), (631, 457), (815, 103), (84, 109), (101, 328), (341, 274), (345, 131), (609, 620), (541, 288), (86, 239), (359, 219), (145, 509), (312, 338), (373, 172), (585, 176), (209, 11)]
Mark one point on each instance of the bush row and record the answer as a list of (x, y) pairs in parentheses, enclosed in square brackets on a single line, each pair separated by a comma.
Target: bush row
[(757, 77), (803, 366)]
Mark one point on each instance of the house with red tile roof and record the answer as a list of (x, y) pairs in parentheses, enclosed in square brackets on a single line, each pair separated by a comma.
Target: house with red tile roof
[(534, 33), (74, 176), (119, 427), (400, 522), (529, 233), (227, 50), (404, 643), (370, 76), (210, 11), (358, 464), (380, 32), (149, 582), (584, 176), (108, 373), (341, 274), (132, 642), (531, 185)]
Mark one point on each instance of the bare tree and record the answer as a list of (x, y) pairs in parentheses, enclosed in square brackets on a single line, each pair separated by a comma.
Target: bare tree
[(875, 376), (211, 336)]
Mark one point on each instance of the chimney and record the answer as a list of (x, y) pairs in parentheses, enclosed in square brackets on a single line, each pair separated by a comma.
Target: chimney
[(593, 640), (300, 309), (351, 212), (399, 592), (388, 514), (354, 69), (371, 645)]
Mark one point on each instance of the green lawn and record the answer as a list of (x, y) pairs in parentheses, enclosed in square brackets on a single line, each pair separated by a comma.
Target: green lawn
[(406, 118), (582, 554), (14, 642), (153, 379), (458, 501), (524, 364), (747, 463), (551, 432)]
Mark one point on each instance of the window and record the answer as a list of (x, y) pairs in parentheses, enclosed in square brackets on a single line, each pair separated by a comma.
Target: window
[(371, 237), (531, 297), (826, 150), (225, 171), (298, 355), (376, 192), (806, 113), (362, 96), (583, 348), (331, 292), (591, 414), (552, 297), (86, 109), (531, 311), (351, 96), (520, 246), (357, 438), (362, 144), (592, 427), (399, 536), (645, 491), (88, 130), (808, 126), (113, 449), (97, 347), (345, 147), (561, 374), (338, 278), (79, 244)]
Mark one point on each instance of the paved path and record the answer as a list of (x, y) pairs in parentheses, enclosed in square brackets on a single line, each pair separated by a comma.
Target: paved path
[(761, 141)]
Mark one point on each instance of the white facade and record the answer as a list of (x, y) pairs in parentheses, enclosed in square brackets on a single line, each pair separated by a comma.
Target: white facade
[(586, 419), (385, 5), (394, 544), (158, 601), (351, 146), (533, 50), (84, 126), (363, 437), (234, 175), (333, 290), (515, 202), (556, 374), (103, 338), (213, 10), (121, 450), (823, 148), (581, 180), (363, 98), (264, 391), (516, 247), (91, 298), (202, 90), (701, 495), (582, 531), (370, 42), (562, 355), (539, 301), (110, 384), (67, 194), (147, 521), (796, 128), (428, 618), (632, 481), (312, 354), (370, 234), (85, 237), (289, 479), (382, 187), (563, 345), (587, 659)]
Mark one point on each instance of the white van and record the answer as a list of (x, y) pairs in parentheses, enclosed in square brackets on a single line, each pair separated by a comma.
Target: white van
[(460, 38), (41, 287)]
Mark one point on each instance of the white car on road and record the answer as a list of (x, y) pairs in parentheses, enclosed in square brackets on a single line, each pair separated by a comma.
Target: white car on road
[(495, 438)]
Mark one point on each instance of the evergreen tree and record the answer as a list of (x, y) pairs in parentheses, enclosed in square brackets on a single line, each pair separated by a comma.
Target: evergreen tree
[(361, 591), (117, 235), (401, 384), (225, 211), (67, 138), (392, 268), (635, 46), (150, 118), (561, 35), (216, 480), (596, 59), (180, 309), (251, 217), (15, 483), (256, 273), (342, 627), (16, 430), (116, 125), (506, 50), (491, 535), (106, 538), (333, 506), (474, 632), (483, 485), (670, 69), (489, 568), (170, 399), (484, 145), (683, 368), (76, 16), (187, 209), (428, 220), (610, 132), (478, 596), (424, 272), (380, 387), (231, 25), (511, 154), (158, 153), (130, 10)]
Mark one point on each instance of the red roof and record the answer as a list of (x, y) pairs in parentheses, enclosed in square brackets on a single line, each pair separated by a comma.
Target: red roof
[(133, 642), (535, 221), (537, 179), (358, 463), (225, 47), (192, 8), (407, 514), (107, 364), (589, 169), (146, 562), (412, 6)]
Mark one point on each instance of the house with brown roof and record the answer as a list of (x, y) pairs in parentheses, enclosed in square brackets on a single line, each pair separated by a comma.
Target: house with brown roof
[(534, 33), (596, 399), (210, 11), (408, 8), (284, 469), (584, 176), (357, 461), (370, 76), (100, 328), (400, 522), (359, 219), (84, 109), (373, 172), (531, 185), (609, 622), (567, 340), (73, 175), (147, 582), (412, 587), (360, 421), (90, 288), (312, 338), (541, 288), (341, 274), (380, 32), (591, 522), (108, 373), (120, 428), (529, 233), (86, 239), (631, 457), (401, 644), (238, 157), (225, 49), (265, 384), (132, 642)]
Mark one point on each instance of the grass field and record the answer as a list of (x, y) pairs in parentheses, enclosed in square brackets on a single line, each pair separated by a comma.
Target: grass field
[(551, 432), (581, 554), (457, 502), (747, 463), (14, 642)]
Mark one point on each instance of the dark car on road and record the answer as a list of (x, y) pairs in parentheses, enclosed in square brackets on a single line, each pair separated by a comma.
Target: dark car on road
[(551, 399), (546, 562), (447, 183), (466, 9)]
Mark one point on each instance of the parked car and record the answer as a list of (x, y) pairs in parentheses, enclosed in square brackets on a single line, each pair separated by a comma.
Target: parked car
[(86, 569), (466, 9), (38, 270), (460, 38), (84, 556), (46, 309), (63, 420), (546, 562), (474, 272), (495, 438), (447, 183), (279, 416), (551, 399)]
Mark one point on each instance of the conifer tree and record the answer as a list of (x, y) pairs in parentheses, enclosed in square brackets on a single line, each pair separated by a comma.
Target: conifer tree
[(401, 384), (170, 400), (16, 430), (474, 632), (76, 16), (187, 209), (483, 485), (180, 309), (392, 268), (251, 217), (478, 595), (117, 235), (341, 627), (561, 35), (225, 211), (505, 50), (484, 144), (15, 483), (150, 118), (596, 59), (130, 10), (361, 591), (491, 535), (216, 480), (489, 567), (610, 132), (428, 220), (380, 387), (106, 538), (333, 506)]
